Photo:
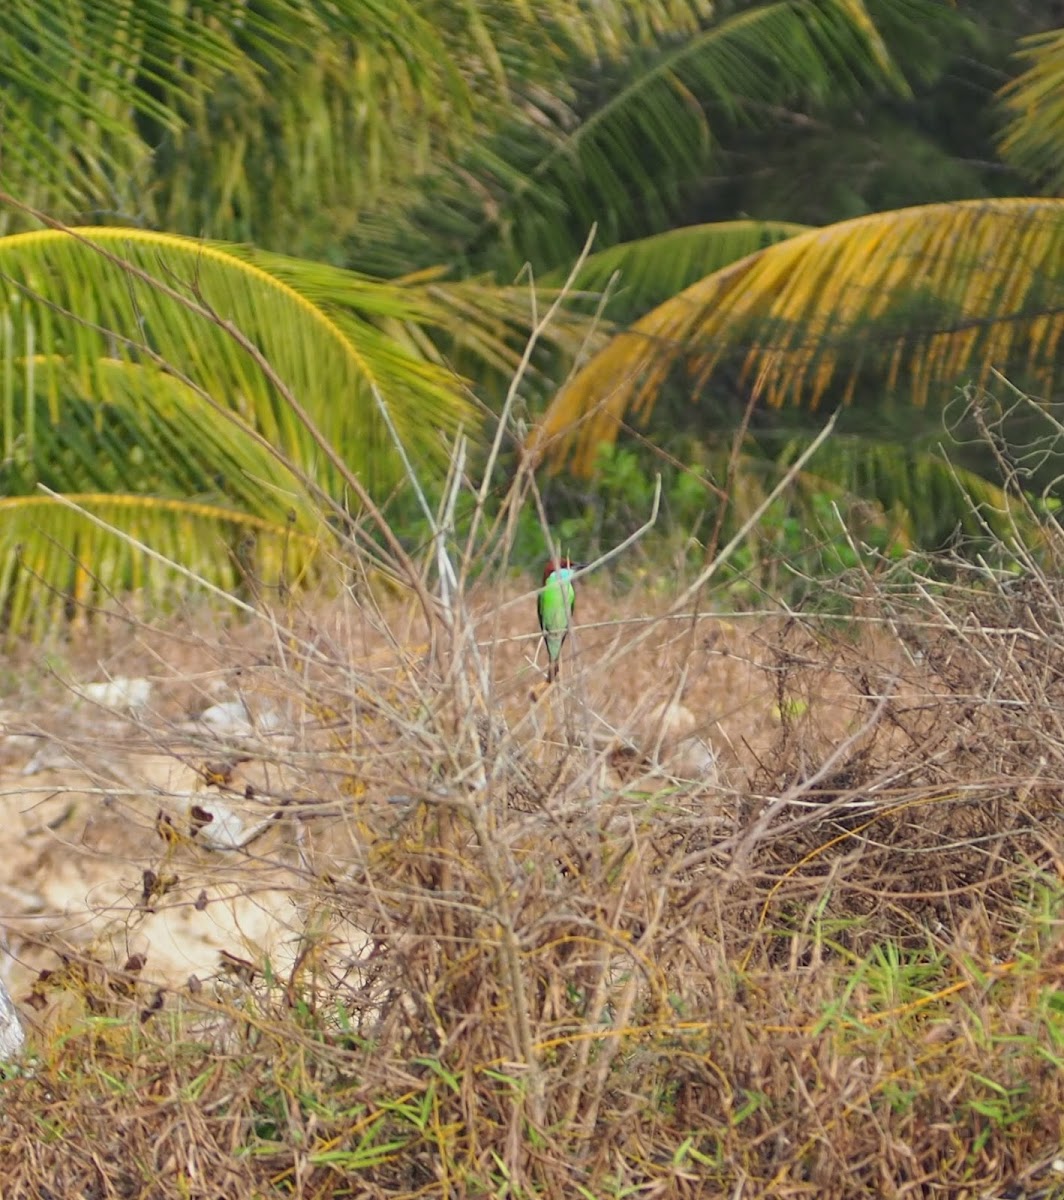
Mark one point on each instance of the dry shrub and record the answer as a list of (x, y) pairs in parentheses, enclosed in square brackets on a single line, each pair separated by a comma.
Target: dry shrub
[(514, 950)]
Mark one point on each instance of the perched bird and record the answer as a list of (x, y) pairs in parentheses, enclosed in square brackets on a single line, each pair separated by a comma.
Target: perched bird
[(557, 599)]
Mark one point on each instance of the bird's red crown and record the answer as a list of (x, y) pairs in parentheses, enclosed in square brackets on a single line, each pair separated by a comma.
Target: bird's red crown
[(555, 564)]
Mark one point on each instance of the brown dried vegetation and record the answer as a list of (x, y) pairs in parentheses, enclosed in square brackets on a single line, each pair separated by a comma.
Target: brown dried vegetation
[(471, 937)]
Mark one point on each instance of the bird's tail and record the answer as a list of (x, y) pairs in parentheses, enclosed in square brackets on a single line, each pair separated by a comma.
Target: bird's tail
[(552, 670)]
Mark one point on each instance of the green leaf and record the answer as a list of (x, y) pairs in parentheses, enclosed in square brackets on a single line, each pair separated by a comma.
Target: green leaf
[(57, 564), (620, 144), (122, 384), (281, 121)]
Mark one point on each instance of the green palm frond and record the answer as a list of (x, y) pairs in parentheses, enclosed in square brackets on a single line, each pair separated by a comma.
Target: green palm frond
[(109, 108), (300, 101), (926, 495), (1034, 139), (121, 380), (916, 299), (66, 298), (57, 563), (472, 326), (78, 78), (136, 429), (150, 457), (650, 270), (276, 122), (329, 106), (618, 146)]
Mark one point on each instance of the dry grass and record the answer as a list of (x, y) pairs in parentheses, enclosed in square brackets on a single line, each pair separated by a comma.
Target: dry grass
[(519, 948)]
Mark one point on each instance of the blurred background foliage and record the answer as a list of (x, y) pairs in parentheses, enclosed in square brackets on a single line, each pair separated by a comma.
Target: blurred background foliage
[(367, 190)]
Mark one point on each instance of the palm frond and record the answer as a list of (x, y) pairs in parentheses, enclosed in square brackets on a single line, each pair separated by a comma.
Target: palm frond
[(78, 77), (919, 487), (152, 378), (57, 563), (274, 122), (136, 429), (626, 141), (301, 102), (329, 107), (1034, 139), (650, 270), (87, 296), (470, 326), (912, 300)]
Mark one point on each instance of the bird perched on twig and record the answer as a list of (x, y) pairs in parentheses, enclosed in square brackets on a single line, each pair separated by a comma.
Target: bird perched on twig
[(555, 604)]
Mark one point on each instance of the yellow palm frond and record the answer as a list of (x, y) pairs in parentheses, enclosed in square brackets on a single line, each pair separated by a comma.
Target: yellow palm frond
[(924, 296), (151, 379), (1034, 139)]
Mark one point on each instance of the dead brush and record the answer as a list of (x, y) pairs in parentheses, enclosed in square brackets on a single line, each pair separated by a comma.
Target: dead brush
[(506, 968)]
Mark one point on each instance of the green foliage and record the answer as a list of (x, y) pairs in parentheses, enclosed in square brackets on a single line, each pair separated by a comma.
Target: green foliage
[(816, 532), (624, 143), (427, 138), (278, 123), (195, 401)]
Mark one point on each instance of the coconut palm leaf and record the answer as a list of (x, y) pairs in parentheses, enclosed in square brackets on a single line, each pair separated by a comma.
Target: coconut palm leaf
[(310, 109), (108, 107), (78, 77), (153, 458), (329, 105), (89, 296), (926, 495), (120, 376), (57, 563), (1034, 139), (467, 327), (618, 146), (650, 270), (143, 432), (917, 299)]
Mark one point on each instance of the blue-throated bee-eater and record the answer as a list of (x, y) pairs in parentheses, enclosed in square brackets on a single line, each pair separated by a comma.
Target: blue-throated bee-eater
[(555, 604)]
